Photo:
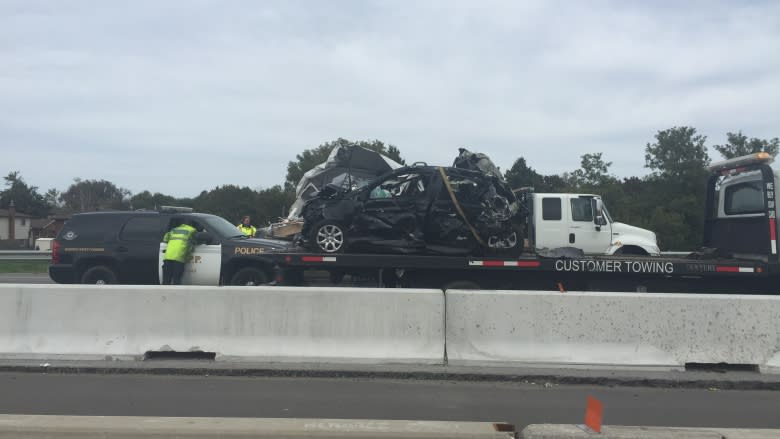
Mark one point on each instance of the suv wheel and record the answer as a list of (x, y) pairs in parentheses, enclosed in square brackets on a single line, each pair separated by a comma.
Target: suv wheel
[(328, 237), (99, 275), (249, 276)]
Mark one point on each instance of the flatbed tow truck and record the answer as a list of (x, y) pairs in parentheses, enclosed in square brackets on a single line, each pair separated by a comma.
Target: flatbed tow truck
[(739, 254)]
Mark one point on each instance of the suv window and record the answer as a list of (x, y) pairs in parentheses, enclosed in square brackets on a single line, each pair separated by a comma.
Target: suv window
[(464, 188), (90, 227), (142, 228), (581, 209), (402, 186), (551, 209), (744, 198)]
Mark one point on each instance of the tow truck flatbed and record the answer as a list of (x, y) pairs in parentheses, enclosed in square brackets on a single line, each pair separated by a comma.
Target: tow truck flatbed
[(605, 273)]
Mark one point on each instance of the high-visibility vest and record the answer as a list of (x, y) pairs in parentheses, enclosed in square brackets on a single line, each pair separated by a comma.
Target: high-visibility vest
[(180, 243), (247, 230)]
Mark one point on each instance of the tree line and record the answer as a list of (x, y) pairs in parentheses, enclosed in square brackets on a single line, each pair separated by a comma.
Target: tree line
[(669, 200)]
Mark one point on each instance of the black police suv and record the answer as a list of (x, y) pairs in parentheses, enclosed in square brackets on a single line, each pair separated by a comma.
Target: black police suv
[(126, 248)]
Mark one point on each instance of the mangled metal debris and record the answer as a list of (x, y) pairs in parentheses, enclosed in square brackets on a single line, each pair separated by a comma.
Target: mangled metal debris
[(464, 209), (347, 167)]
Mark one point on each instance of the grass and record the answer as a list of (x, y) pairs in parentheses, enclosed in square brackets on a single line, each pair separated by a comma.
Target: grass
[(34, 266)]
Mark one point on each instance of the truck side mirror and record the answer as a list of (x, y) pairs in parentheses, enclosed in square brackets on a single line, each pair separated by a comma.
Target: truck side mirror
[(599, 219)]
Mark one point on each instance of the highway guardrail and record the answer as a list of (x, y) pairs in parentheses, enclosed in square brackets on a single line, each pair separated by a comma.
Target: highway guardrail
[(291, 324), (667, 331), (655, 330), (131, 427), (555, 431), (24, 255)]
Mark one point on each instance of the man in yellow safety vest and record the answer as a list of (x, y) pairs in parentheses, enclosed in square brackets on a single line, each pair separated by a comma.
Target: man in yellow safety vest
[(246, 227), (181, 241)]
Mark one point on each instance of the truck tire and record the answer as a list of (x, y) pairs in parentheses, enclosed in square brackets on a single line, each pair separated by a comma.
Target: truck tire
[(631, 250), (328, 237), (249, 276), (99, 275)]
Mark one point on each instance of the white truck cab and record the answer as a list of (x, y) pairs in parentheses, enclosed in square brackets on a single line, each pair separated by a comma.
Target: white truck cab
[(741, 199), (582, 221)]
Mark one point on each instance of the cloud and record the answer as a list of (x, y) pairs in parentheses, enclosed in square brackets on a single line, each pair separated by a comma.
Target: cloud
[(182, 96)]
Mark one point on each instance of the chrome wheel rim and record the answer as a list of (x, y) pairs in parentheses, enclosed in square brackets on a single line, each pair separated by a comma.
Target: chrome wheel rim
[(330, 238)]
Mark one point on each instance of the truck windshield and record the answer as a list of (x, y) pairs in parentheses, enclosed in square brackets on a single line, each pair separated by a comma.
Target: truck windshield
[(220, 226), (606, 214)]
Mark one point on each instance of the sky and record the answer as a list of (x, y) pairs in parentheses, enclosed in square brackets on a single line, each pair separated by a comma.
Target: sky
[(180, 96)]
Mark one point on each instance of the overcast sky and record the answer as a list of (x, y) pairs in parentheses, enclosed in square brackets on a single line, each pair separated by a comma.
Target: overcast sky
[(182, 96)]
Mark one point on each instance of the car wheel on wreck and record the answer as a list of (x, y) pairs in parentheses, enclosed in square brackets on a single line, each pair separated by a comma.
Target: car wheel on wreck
[(510, 245), (328, 237)]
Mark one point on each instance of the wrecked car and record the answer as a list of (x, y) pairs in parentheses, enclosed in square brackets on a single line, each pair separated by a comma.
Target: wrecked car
[(416, 209), (347, 166)]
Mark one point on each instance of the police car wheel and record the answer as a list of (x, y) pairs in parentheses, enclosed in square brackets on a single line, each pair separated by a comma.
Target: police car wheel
[(249, 276), (329, 237), (99, 275)]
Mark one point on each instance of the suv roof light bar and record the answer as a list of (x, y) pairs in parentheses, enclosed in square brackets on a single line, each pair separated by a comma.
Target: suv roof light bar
[(175, 209), (745, 160)]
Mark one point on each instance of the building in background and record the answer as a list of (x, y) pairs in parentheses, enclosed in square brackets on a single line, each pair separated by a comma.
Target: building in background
[(14, 229)]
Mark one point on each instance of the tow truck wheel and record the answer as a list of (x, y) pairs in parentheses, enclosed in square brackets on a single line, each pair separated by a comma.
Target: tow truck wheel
[(249, 276), (329, 237), (631, 250), (99, 275)]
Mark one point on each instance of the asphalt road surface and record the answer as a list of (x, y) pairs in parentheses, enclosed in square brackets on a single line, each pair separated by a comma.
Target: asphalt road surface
[(520, 404)]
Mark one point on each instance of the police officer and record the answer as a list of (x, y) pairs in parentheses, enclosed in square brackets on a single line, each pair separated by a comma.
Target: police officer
[(181, 241), (246, 227)]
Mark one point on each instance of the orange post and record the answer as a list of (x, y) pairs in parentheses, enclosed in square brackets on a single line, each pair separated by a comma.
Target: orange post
[(594, 412)]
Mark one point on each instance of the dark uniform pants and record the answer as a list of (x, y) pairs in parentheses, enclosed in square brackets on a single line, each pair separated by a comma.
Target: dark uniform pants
[(172, 272)]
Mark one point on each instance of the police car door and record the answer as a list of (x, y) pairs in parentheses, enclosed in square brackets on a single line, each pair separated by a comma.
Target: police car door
[(204, 266)]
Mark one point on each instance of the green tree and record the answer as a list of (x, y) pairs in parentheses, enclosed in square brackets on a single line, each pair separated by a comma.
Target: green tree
[(679, 161), (228, 201), (521, 175), (151, 201), (677, 152), (272, 203), (593, 172), (233, 202), (312, 157), (738, 145), (52, 197), (26, 198), (92, 195)]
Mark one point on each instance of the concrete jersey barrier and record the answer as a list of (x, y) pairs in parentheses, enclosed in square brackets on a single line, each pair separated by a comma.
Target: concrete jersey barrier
[(262, 323), (611, 329), (129, 427), (563, 431)]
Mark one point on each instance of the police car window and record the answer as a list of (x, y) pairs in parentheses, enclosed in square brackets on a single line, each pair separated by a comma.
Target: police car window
[(551, 209), (142, 228), (581, 209), (744, 198), (219, 226)]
